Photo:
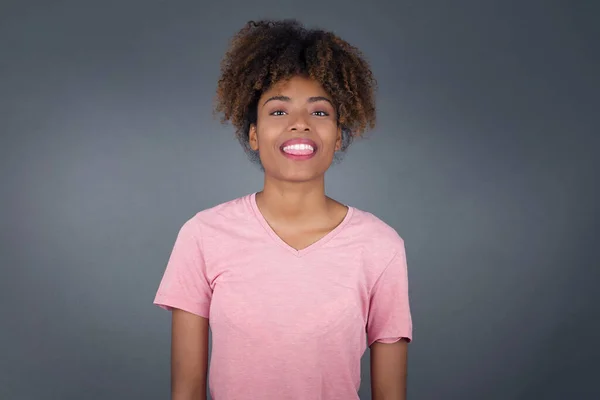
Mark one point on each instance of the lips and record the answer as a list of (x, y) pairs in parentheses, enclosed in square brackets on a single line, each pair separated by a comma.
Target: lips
[(299, 148), (299, 141)]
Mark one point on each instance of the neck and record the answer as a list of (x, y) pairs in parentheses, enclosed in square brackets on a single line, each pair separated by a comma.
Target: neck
[(293, 200)]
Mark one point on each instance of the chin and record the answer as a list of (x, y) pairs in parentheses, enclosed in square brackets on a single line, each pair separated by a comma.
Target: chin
[(304, 171), (299, 177), (296, 175)]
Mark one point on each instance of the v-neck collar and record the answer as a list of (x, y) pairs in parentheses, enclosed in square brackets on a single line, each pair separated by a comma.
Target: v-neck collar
[(282, 243)]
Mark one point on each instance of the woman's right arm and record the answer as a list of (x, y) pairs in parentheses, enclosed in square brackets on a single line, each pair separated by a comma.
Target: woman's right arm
[(189, 356)]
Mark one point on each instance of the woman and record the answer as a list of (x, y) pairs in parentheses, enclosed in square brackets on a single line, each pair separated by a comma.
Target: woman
[(293, 284)]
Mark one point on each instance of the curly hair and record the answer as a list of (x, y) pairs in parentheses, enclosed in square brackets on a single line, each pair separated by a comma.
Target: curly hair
[(266, 52)]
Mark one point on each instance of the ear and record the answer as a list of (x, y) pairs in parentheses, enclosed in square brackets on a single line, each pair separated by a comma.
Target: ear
[(253, 137), (338, 140)]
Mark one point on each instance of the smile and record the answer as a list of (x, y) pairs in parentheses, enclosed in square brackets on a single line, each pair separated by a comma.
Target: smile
[(299, 149)]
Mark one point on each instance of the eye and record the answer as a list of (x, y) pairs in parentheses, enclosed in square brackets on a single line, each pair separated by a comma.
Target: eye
[(321, 113), (277, 113)]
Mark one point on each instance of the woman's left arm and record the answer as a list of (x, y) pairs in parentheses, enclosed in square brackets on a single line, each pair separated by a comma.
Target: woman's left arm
[(388, 370)]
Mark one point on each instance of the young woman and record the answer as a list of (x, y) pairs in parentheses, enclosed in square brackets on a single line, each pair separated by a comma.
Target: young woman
[(293, 284)]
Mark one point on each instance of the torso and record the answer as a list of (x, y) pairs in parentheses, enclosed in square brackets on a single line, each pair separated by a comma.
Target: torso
[(288, 310)]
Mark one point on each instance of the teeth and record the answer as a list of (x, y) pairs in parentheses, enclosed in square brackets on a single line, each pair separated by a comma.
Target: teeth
[(299, 147)]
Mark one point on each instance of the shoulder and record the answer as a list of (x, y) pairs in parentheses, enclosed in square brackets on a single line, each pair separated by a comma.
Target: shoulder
[(375, 231), (226, 214)]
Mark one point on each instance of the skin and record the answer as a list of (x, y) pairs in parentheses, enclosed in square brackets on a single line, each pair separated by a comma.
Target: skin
[(189, 356), (293, 199), (294, 203), (388, 370)]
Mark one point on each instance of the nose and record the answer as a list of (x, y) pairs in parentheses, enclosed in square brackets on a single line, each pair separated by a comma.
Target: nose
[(299, 123)]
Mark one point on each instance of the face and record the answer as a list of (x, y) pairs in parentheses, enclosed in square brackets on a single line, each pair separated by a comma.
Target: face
[(296, 132)]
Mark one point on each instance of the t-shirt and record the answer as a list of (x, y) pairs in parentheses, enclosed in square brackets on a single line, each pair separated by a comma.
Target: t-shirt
[(286, 323)]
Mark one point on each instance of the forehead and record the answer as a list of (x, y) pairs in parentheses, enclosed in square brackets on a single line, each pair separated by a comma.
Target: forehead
[(297, 87)]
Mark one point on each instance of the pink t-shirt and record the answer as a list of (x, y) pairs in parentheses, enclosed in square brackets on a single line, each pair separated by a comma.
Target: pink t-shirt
[(288, 324)]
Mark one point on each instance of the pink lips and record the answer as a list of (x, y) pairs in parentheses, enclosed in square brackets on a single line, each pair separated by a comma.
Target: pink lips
[(299, 154)]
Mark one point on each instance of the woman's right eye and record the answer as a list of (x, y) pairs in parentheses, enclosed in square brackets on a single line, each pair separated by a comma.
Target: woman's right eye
[(278, 112)]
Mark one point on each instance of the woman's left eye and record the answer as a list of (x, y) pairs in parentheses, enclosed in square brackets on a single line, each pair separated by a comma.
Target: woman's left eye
[(321, 113)]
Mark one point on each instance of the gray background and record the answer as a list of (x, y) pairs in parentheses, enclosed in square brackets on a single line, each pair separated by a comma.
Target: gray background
[(484, 160)]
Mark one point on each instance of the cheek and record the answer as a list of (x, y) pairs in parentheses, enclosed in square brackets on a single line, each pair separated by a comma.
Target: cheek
[(268, 139), (329, 136), (268, 130)]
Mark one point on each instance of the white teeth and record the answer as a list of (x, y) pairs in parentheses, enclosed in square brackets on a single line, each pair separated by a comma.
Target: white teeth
[(299, 147)]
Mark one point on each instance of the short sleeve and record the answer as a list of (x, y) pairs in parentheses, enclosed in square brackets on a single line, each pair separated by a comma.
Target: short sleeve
[(184, 284), (389, 309)]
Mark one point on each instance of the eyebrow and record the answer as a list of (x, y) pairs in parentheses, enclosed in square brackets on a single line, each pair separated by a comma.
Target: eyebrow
[(313, 99)]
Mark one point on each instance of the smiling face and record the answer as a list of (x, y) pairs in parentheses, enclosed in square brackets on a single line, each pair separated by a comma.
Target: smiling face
[(296, 133)]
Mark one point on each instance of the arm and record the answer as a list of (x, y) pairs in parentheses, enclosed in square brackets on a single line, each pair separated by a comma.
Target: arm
[(388, 370), (189, 356)]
